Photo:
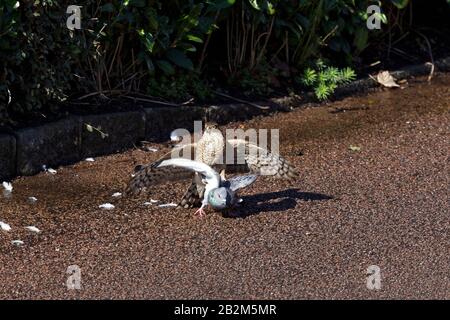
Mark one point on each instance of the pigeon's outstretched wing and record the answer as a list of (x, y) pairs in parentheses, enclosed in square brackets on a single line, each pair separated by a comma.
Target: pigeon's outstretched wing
[(151, 175), (211, 176), (248, 157), (240, 182)]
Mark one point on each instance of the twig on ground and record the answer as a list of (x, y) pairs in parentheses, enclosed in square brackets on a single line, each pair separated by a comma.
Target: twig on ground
[(187, 102), (92, 94), (154, 101), (430, 76), (240, 100)]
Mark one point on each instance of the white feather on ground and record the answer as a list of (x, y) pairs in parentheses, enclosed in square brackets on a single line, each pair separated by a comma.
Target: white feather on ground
[(167, 205), (7, 186), (49, 170), (17, 242), (151, 202), (4, 226), (32, 199), (106, 206), (33, 229)]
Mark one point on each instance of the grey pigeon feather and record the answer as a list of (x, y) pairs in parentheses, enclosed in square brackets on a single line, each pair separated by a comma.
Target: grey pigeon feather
[(239, 182)]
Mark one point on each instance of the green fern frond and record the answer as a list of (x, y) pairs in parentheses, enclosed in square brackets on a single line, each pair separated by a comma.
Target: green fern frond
[(331, 74), (324, 80), (309, 77), (322, 91), (347, 75)]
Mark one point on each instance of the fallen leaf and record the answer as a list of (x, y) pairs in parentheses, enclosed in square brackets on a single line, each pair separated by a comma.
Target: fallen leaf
[(89, 128), (355, 148), (386, 79)]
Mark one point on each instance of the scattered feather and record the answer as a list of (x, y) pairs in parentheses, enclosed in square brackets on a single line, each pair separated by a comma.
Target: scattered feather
[(49, 170), (149, 203), (4, 226), (32, 199), (167, 205), (33, 229), (145, 146), (17, 242), (7, 186), (106, 206), (116, 195), (89, 159)]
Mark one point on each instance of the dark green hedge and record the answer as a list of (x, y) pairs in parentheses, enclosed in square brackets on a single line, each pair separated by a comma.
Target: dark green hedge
[(147, 45)]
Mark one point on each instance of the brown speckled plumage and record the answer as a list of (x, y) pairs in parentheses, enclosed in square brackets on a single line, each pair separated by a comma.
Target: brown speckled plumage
[(211, 149)]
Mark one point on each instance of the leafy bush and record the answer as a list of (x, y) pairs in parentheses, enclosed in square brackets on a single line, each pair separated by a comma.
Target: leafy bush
[(36, 67), (180, 88), (169, 48)]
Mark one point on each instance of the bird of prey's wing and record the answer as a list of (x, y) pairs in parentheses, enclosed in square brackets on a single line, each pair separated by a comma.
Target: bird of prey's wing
[(239, 182), (246, 157), (251, 158), (194, 194), (151, 175)]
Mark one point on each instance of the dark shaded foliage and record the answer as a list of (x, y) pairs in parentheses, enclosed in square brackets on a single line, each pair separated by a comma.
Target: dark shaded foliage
[(173, 49)]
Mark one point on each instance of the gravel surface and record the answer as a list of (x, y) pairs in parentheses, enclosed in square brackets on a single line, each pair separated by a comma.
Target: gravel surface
[(386, 205)]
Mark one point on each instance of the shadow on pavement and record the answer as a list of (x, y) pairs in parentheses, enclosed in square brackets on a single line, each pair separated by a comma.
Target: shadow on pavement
[(281, 201)]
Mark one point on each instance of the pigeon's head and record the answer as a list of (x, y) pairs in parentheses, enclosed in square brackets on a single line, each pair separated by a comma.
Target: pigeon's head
[(221, 198)]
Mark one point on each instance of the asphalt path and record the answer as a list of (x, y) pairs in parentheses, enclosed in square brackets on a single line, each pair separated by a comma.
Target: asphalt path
[(373, 190)]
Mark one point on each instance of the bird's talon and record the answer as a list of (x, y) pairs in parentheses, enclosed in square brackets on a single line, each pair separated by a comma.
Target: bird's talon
[(200, 213)]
